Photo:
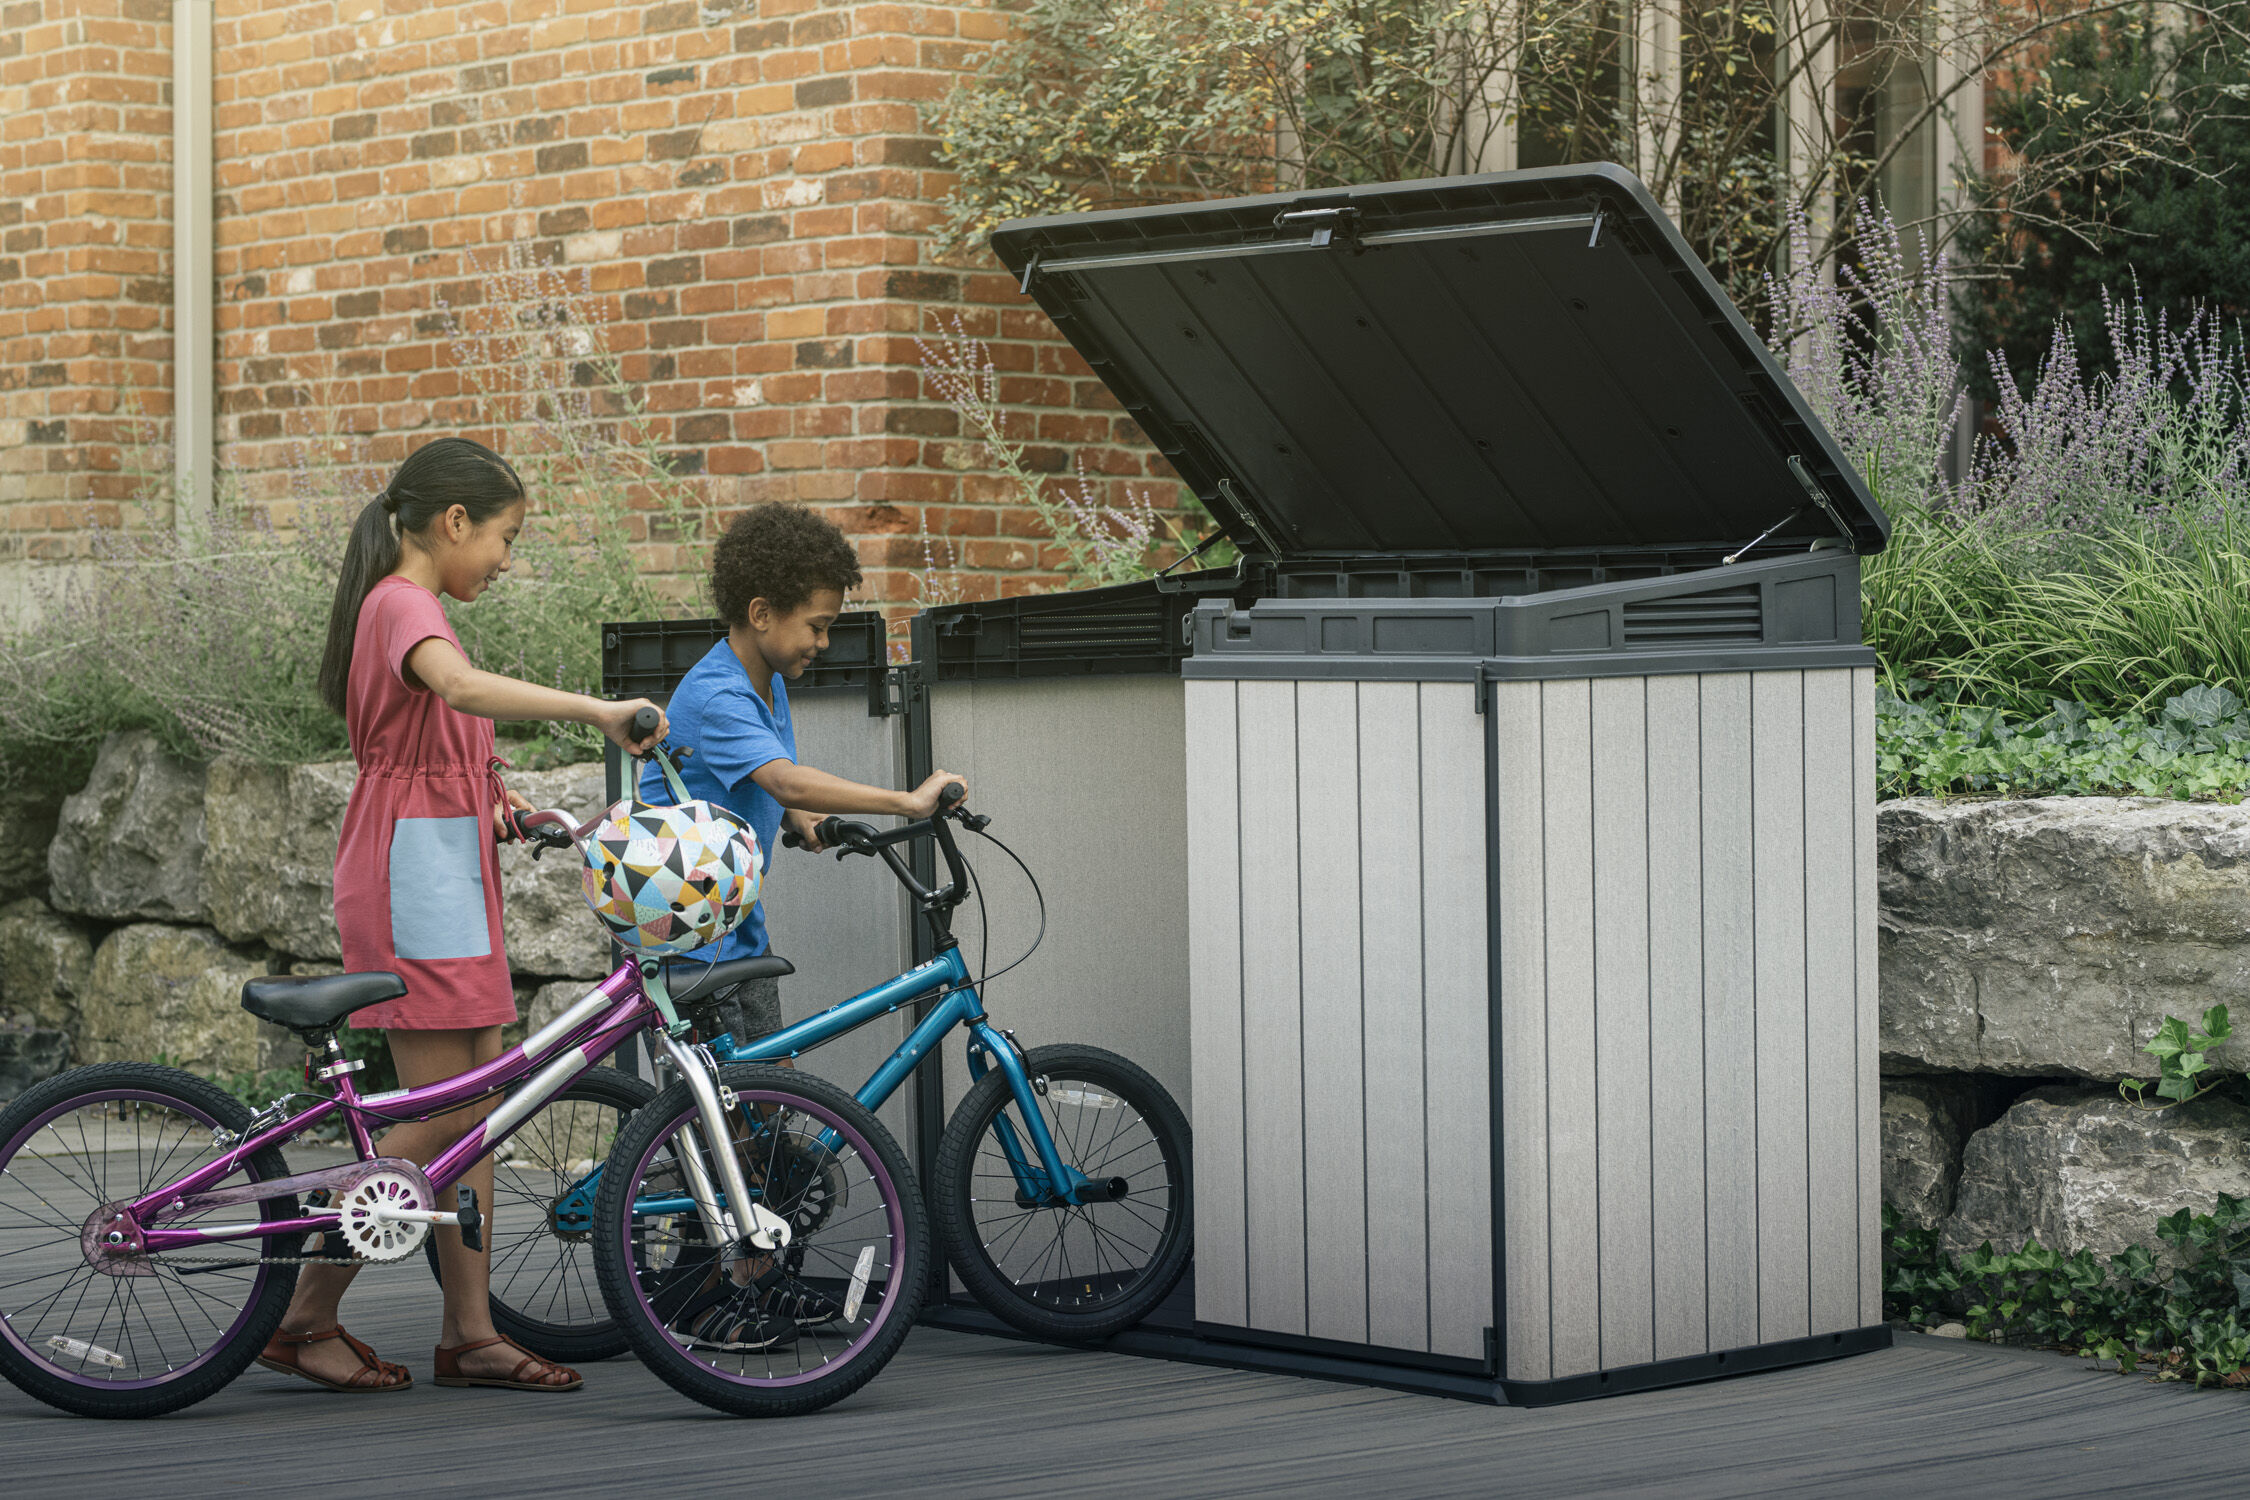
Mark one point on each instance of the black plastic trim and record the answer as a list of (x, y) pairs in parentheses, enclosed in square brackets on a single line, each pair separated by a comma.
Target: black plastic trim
[(1693, 1368), (1247, 1349), (647, 658)]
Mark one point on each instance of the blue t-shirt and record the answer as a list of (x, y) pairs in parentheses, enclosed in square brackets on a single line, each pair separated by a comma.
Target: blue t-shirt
[(732, 731)]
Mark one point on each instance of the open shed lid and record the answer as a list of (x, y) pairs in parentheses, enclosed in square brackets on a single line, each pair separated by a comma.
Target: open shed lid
[(1522, 361)]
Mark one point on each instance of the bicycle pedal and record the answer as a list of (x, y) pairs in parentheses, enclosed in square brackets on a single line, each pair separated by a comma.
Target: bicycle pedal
[(472, 1222)]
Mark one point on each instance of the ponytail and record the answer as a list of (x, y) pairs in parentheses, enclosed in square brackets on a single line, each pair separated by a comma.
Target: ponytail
[(434, 479)]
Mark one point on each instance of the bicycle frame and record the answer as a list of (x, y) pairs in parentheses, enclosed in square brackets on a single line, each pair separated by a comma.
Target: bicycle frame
[(552, 1058), (946, 978)]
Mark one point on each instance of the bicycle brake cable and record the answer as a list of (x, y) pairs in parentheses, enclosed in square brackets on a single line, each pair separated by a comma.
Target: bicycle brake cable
[(984, 917)]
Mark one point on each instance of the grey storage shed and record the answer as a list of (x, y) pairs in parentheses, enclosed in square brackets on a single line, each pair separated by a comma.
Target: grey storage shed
[(1528, 786)]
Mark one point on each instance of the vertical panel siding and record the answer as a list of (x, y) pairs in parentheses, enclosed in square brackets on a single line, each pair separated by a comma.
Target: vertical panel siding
[(1777, 887), (1867, 1114), (1621, 1020), (1730, 1085), (1337, 1209), (1574, 1166), (1215, 1002), (1273, 1059), (1675, 973), (1456, 1003), (1831, 1001), (1393, 1145), (1519, 926)]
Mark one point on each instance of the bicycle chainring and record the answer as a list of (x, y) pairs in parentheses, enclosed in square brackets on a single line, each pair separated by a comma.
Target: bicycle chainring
[(372, 1237)]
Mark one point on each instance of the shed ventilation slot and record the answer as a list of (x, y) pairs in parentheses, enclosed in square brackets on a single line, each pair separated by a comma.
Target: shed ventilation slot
[(1721, 617), (1129, 631)]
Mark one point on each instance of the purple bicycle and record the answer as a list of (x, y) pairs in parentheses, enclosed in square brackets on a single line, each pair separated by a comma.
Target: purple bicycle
[(759, 1234)]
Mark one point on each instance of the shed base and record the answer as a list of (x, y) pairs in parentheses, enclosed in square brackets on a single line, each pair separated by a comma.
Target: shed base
[(1172, 1333)]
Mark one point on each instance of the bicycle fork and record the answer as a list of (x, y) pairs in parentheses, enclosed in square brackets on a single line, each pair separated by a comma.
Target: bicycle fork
[(1052, 1181), (764, 1229)]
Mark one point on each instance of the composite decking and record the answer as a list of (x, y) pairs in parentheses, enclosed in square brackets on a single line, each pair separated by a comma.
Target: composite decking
[(957, 1413)]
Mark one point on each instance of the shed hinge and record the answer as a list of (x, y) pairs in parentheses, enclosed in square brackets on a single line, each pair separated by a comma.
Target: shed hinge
[(890, 689), (1325, 223)]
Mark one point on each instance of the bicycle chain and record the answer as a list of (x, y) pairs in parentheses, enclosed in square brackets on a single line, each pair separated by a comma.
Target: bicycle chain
[(269, 1260)]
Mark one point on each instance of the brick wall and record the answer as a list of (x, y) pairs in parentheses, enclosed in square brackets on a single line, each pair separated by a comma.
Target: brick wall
[(85, 237), (745, 186)]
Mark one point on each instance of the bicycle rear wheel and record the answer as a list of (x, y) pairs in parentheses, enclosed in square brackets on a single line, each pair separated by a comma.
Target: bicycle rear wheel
[(764, 1334), (174, 1330), (1060, 1270), (545, 1294)]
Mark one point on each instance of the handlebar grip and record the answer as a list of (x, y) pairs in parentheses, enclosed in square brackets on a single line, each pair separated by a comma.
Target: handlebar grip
[(645, 722), (951, 793), (831, 831), (789, 839)]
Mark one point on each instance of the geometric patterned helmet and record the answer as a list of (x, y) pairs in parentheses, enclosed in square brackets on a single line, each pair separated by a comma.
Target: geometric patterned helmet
[(671, 879)]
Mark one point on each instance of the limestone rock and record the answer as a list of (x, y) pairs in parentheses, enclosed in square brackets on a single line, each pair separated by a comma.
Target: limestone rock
[(44, 964), (1925, 1123), (130, 844), (29, 1054), (170, 990), (2051, 937), (270, 858), (2084, 1169), (543, 913), (27, 827)]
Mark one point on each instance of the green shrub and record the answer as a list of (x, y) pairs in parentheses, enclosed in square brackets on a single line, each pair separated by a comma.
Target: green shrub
[(2196, 746)]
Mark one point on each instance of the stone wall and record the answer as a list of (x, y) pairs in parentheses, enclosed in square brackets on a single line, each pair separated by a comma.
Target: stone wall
[(167, 885), (2028, 950)]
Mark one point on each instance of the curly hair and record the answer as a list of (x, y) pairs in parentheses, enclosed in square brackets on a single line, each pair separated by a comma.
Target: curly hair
[(781, 554)]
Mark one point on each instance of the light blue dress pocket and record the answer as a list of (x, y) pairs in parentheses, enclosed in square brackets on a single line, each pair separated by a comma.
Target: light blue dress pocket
[(437, 888)]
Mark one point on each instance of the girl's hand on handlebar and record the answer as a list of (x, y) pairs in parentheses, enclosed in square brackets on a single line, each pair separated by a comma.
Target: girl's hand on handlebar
[(806, 826), (923, 800), (503, 829), (616, 721)]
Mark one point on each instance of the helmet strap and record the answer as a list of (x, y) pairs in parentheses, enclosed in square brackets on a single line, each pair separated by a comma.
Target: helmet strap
[(671, 777), (653, 985)]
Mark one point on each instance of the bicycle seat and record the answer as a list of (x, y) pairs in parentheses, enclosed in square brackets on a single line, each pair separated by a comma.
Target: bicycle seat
[(316, 1002), (690, 981)]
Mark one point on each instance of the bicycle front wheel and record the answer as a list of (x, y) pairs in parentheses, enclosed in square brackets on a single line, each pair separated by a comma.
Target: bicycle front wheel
[(539, 1226), (764, 1333), (1055, 1269), (153, 1333)]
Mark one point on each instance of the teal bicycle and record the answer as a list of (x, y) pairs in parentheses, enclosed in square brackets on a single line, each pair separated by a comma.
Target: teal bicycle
[(1063, 1186)]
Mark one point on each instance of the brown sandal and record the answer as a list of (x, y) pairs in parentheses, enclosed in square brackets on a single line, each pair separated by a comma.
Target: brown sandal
[(448, 1363), (281, 1353)]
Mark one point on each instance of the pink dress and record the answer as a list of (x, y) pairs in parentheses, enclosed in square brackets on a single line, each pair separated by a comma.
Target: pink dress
[(417, 872)]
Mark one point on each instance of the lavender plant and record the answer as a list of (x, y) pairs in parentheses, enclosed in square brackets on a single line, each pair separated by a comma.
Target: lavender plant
[(1101, 543), (2094, 547)]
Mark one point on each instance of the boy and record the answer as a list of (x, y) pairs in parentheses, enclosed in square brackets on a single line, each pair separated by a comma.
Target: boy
[(778, 576)]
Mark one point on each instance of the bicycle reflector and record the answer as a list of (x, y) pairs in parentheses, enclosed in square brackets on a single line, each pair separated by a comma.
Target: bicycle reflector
[(671, 879)]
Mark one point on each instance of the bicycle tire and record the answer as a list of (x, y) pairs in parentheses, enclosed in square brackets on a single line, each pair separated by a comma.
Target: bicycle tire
[(573, 1325), (632, 1265), (1040, 1290), (85, 1392)]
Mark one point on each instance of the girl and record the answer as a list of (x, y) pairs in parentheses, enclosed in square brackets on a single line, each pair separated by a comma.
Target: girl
[(417, 875)]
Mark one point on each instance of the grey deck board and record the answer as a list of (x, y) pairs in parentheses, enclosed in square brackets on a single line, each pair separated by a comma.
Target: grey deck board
[(961, 1414)]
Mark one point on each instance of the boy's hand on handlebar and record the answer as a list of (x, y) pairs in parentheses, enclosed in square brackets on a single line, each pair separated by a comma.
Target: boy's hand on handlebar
[(616, 721), (806, 828), (924, 799)]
